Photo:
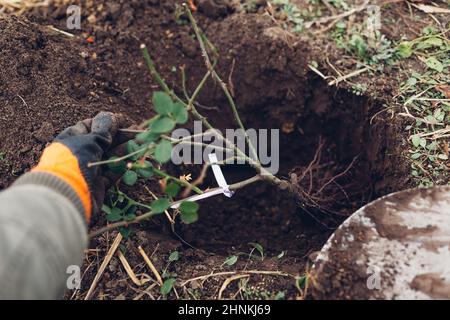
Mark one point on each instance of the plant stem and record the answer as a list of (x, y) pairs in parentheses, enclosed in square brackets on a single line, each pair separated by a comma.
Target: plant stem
[(150, 214), (182, 182), (190, 105), (183, 82), (222, 84), (192, 143), (93, 164), (198, 89), (155, 74)]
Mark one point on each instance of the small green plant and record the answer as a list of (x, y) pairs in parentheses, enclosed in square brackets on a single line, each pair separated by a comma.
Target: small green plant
[(424, 100), (431, 48), (230, 261), (372, 49), (255, 247), (359, 89), (293, 13), (169, 277)]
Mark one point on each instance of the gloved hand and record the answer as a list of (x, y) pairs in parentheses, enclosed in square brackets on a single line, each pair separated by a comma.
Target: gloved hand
[(69, 156)]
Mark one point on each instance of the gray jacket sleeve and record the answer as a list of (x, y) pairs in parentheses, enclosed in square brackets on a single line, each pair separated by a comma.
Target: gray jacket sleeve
[(42, 235)]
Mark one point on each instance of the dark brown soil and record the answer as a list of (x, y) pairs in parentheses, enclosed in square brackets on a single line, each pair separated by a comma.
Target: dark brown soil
[(49, 81)]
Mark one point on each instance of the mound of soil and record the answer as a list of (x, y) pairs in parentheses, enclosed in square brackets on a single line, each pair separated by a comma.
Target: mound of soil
[(46, 84), (49, 81)]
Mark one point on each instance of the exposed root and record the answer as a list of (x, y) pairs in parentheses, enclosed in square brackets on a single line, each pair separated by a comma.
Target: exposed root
[(320, 189)]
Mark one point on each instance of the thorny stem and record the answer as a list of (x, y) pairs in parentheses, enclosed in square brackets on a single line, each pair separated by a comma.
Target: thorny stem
[(190, 106), (222, 84), (150, 214), (155, 74)]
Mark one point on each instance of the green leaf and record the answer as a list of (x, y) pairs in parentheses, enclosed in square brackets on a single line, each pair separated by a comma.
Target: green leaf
[(230, 261), (115, 215), (162, 103), (174, 256), (404, 50), (125, 231), (358, 44), (167, 286), (428, 30), (130, 178), (163, 151), (189, 207), (434, 64), (172, 189), (180, 113), (189, 212), (443, 156), (415, 141), (432, 146), (411, 81), (301, 282), (416, 156), (162, 125), (189, 217), (258, 247), (129, 217), (147, 136), (280, 295), (145, 173), (434, 41), (106, 209), (423, 142), (160, 205), (132, 146)]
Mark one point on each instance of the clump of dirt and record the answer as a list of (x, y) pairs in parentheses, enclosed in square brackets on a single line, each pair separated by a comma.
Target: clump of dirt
[(49, 81)]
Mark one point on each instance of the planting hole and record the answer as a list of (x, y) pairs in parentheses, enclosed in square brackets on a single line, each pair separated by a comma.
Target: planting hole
[(336, 161)]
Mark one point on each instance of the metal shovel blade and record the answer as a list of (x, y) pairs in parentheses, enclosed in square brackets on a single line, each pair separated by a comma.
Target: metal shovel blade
[(397, 247)]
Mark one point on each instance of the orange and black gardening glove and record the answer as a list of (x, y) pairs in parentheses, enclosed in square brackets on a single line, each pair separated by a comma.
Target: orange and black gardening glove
[(70, 155)]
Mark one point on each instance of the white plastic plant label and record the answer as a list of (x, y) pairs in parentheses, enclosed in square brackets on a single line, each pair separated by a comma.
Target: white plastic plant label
[(224, 188)]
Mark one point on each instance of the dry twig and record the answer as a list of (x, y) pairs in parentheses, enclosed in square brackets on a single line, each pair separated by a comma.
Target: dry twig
[(104, 264)]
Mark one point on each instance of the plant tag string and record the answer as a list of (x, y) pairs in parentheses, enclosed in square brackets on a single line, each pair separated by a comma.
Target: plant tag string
[(223, 185)]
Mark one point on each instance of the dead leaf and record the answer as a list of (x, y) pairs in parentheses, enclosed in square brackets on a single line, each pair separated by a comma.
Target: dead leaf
[(430, 9), (163, 184), (444, 89)]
